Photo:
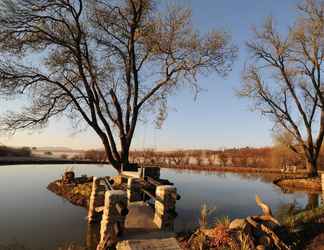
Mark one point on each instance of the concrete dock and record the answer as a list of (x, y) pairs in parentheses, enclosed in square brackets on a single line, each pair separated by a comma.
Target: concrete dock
[(139, 224), (129, 220)]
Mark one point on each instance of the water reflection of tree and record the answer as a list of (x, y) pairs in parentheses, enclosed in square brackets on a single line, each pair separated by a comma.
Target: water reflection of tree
[(264, 177), (13, 246), (19, 246), (92, 236), (73, 246), (91, 241)]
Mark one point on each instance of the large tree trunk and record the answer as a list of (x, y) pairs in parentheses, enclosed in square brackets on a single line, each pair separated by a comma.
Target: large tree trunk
[(313, 201), (311, 167), (125, 157), (115, 163)]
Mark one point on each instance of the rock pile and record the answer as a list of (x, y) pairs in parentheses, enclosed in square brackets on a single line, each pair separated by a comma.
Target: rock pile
[(255, 232)]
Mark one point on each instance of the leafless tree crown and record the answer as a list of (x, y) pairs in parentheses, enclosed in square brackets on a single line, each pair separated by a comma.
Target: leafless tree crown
[(284, 77), (104, 61)]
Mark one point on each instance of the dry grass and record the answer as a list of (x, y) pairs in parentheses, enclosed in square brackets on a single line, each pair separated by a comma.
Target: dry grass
[(84, 189), (205, 212), (224, 221), (245, 245)]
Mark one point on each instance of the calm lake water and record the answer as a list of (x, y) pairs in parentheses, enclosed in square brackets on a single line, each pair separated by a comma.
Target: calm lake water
[(38, 219)]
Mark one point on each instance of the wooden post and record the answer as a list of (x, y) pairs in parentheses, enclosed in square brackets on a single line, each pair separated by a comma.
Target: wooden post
[(165, 206), (92, 214), (112, 222), (133, 190)]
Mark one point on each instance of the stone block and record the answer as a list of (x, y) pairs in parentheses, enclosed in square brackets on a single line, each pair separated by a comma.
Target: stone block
[(93, 216), (134, 190), (112, 222), (164, 204)]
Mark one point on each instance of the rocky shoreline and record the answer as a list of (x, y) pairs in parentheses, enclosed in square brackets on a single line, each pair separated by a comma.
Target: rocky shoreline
[(77, 193), (254, 232)]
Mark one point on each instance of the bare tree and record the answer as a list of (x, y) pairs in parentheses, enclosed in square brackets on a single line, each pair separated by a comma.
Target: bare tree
[(284, 80), (223, 158), (284, 150), (102, 62)]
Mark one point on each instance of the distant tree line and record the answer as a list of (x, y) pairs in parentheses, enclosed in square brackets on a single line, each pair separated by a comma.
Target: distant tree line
[(265, 157), (15, 152), (276, 157), (90, 155), (242, 157)]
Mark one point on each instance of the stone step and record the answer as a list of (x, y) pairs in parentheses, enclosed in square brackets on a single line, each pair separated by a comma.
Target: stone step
[(153, 244)]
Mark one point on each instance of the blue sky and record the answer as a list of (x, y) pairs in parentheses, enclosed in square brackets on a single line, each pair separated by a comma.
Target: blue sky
[(217, 118)]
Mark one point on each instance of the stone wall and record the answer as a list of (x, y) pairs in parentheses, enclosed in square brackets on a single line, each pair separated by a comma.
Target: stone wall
[(93, 216), (112, 222), (134, 192), (165, 206)]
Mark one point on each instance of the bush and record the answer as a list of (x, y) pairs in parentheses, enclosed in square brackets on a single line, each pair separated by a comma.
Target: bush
[(77, 158), (15, 152), (95, 155), (64, 156)]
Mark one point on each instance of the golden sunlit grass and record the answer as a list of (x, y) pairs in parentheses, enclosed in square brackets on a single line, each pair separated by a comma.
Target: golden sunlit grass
[(204, 213), (225, 221)]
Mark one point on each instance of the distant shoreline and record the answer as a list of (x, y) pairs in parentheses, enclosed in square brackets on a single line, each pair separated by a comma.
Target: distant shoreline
[(42, 161), (228, 169)]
